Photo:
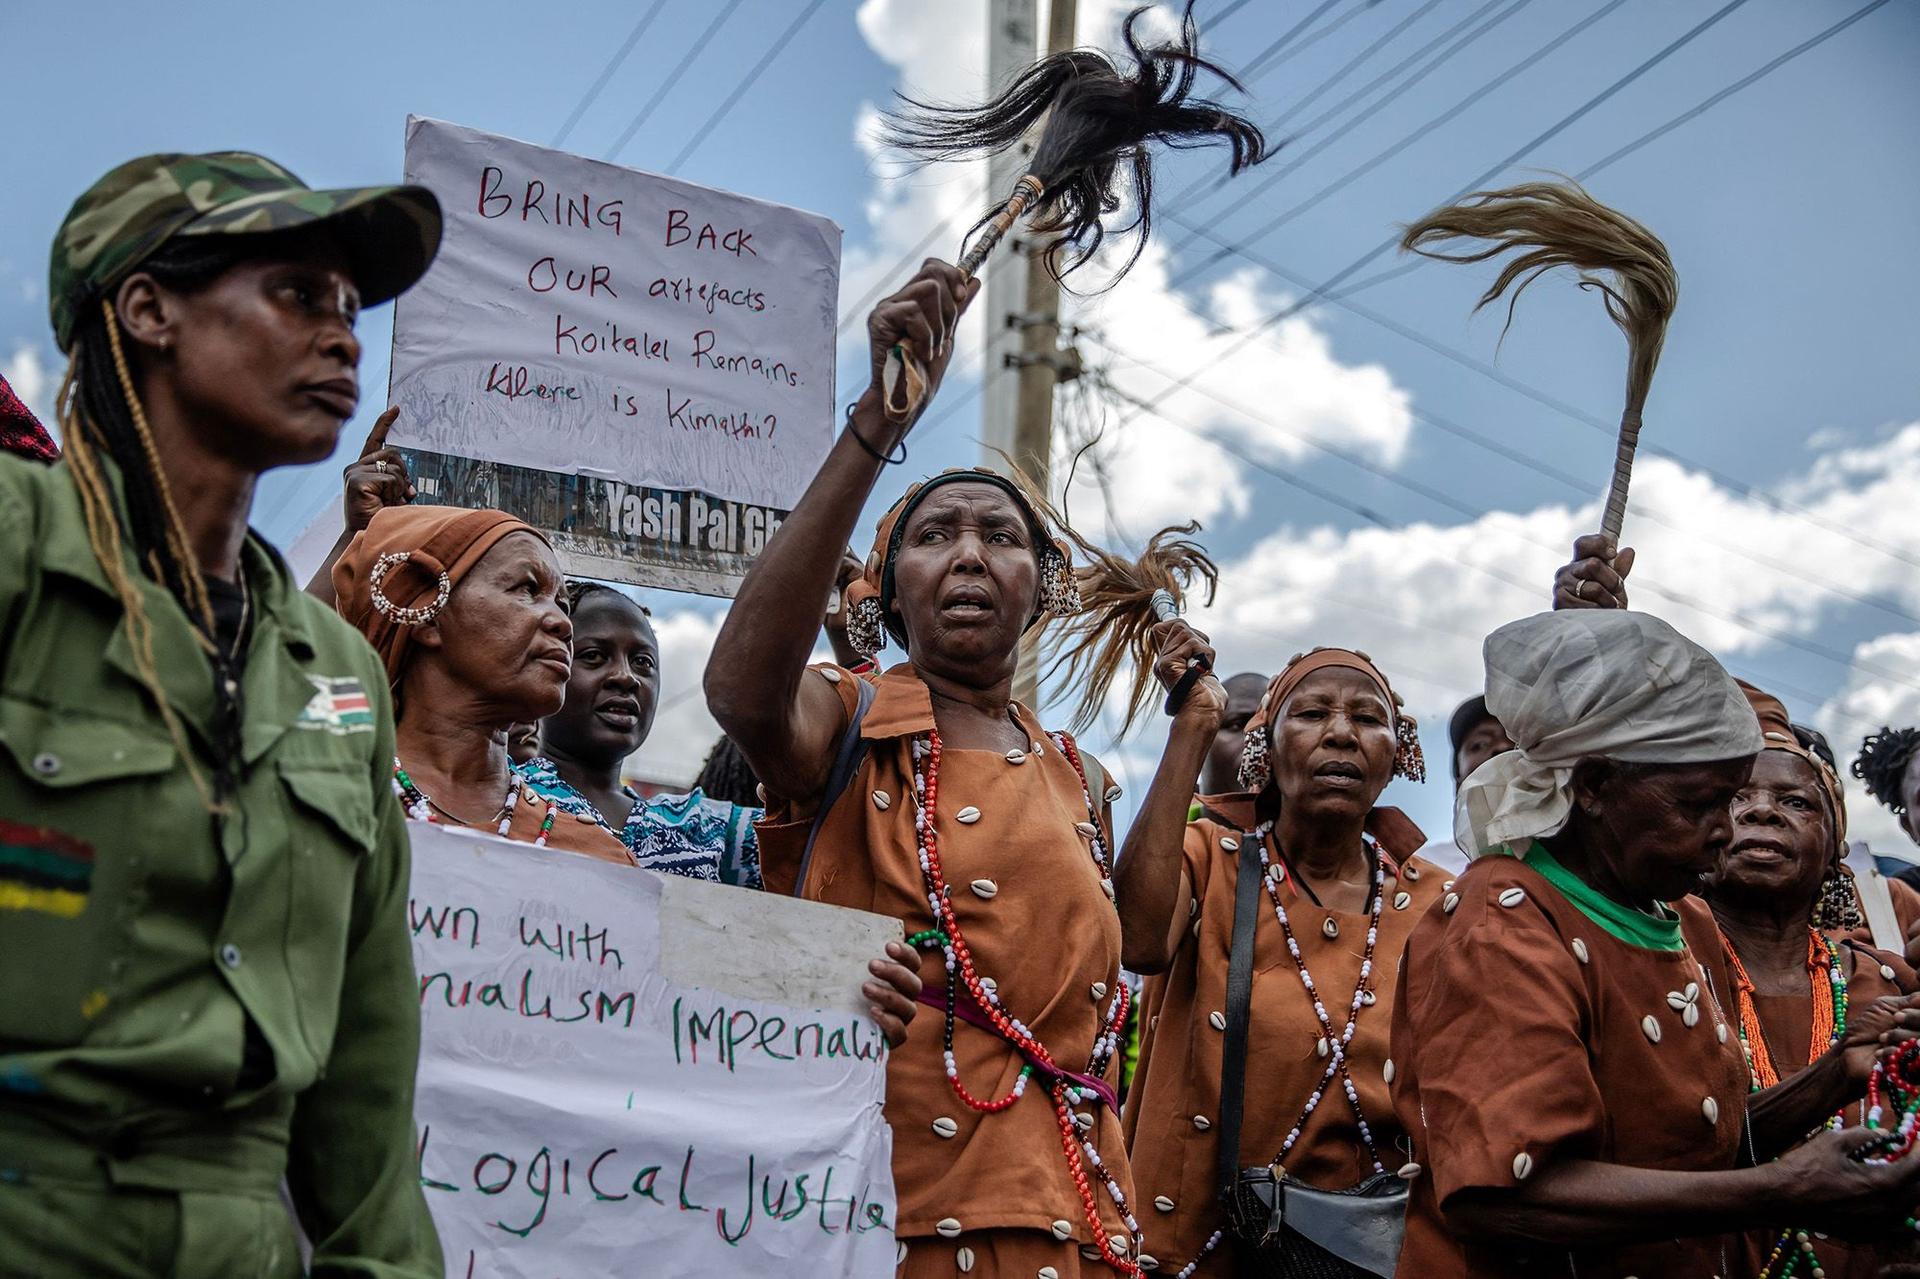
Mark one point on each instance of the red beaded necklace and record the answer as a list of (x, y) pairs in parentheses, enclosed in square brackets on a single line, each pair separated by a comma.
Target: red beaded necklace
[(1078, 1148)]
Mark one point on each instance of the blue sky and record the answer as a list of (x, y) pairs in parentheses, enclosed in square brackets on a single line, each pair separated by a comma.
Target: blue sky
[(1788, 209)]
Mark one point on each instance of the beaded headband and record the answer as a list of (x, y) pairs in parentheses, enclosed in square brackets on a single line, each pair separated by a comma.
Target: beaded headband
[(1256, 764)]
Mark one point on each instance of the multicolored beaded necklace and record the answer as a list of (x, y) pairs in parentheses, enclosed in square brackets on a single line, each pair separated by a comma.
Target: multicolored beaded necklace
[(422, 809), (1829, 988), (1335, 1046), (947, 935)]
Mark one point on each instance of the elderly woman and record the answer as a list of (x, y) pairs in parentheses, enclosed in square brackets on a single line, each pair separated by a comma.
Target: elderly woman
[(1576, 1096), (932, 795), (1802, 993), (464, 608), (1298, 1076), (205, 983)]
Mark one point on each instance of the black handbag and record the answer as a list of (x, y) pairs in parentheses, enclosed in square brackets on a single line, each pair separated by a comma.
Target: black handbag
[(1281, 1228)]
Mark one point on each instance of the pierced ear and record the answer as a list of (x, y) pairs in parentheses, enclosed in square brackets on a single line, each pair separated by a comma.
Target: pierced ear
[(427, 635), (147, 311), (1590, 777)]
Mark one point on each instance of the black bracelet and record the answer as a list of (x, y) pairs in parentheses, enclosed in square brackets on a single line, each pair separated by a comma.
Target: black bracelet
[(876, 454)]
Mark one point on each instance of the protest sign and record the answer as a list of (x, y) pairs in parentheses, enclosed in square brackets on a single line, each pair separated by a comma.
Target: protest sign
[(640, 367), (627, 1073)]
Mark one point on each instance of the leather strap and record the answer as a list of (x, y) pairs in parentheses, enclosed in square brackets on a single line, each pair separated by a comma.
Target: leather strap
[(1233, 1059), (846, 762)]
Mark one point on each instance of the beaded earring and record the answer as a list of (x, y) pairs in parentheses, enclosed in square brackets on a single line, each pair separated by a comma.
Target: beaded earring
[(866, 629), (1409, 761), (1059, 588), (420, 616), (1256, 767), (1838, 907)]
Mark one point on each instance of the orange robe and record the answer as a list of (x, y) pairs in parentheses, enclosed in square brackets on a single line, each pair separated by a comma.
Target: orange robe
[(1176, 1090), (1030, 902)]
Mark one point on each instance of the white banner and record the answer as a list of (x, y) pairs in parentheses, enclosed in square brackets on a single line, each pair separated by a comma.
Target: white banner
[(625, 1073), (641, 365)]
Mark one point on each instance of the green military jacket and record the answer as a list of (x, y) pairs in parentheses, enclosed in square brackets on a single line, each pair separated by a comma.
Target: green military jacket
[(139, 935)]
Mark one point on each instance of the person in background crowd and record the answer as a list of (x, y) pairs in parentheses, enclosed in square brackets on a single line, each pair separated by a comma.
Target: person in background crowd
[(1475, 737), (465, 611), (726, 775), (20, 431), (1809, 1003), (523, 742), (1889, 764), (1576, 1095), (608, 714), (1341, 890), (961, 815), (1221, 771), (206, 983)]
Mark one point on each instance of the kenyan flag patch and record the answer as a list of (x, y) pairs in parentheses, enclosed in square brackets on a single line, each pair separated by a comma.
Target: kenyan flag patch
[(43, 870), (338, 706)]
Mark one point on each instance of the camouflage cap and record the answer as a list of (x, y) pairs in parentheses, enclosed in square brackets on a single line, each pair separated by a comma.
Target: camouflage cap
[(389, 233)]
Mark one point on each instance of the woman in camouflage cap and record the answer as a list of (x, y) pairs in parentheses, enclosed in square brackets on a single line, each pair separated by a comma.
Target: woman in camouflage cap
[(205, 977)]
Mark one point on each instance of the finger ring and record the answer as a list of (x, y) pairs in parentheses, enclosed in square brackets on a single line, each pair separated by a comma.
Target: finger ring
[(1580, 591), (381, 466)]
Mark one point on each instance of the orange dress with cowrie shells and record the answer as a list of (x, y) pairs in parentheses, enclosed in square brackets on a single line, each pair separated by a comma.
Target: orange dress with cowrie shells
[(1176, 1090), (1527, 1033), (991, 1190)]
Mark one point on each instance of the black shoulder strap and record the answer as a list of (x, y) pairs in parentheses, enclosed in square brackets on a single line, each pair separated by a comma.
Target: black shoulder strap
[(1233, 1061), (846, 762)]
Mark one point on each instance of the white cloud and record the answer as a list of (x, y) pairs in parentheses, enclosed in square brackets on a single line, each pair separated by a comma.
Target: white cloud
[(27, 373), (1865, 702)]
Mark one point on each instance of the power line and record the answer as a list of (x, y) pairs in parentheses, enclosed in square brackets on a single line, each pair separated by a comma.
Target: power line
[(859, 309), (606, 74), (1344, 503), (1253, 64), (747, 81), (1650, 136), (1585, 488), (673, 77), (1716, 99), (1321, 290), (1381, 157), (1347, 67), (1273, 127), (1845, 660), (1296, 50), (1572, 412)]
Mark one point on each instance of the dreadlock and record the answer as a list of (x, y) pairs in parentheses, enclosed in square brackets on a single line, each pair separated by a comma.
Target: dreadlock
[(1882, 765), (727, 776), (101, 416)]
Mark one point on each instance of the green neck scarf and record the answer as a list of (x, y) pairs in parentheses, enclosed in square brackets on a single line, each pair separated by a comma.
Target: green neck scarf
[(1658, 929)]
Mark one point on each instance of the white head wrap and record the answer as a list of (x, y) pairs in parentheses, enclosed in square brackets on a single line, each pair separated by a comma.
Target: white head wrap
[(1584, 684)]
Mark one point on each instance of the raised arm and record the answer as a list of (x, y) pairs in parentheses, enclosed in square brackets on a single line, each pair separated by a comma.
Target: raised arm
[(377, 478), (1150, 886), (1596, 577), (783, 724)]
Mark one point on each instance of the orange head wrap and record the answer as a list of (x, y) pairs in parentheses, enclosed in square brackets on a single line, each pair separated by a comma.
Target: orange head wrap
[(1394, 830), (869, 597), (1777, 729), (397, 572)]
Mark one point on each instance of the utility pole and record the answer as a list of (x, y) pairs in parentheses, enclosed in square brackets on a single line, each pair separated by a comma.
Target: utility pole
[(1023, 301)]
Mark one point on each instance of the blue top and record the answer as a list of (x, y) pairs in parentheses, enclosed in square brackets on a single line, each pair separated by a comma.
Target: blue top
[(686, 834)]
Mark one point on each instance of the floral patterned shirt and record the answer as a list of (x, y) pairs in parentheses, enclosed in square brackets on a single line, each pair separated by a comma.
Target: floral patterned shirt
[(688, 834)]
